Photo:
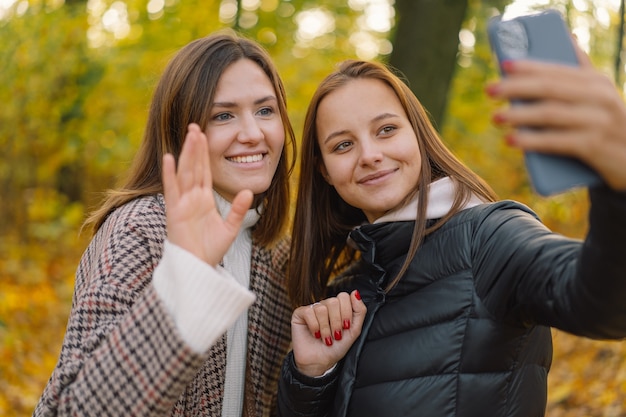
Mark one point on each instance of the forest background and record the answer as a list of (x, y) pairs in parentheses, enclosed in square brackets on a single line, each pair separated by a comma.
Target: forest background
[(76, 78)]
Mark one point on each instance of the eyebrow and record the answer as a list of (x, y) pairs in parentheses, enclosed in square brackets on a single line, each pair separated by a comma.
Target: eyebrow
[(381, 116), (230, 104)]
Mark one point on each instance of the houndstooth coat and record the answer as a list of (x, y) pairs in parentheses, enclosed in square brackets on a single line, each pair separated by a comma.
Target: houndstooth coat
[(122, 354)]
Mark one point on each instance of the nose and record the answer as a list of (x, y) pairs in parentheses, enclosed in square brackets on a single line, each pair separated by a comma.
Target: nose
[(250, 130), (371, 153)]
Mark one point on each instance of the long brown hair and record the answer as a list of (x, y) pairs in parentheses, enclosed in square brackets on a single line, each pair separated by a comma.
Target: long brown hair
[(323, 220), (184, 95)]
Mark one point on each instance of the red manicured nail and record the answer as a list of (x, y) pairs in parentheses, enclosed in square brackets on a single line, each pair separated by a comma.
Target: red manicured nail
[(328, 341), (498, 119), (510, 139), (337, 335), (507, 65), (492, 90), (346, 324), (318, 335), (357, 295)]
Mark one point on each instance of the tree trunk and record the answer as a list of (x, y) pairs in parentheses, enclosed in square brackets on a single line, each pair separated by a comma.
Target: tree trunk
[(425, 46)]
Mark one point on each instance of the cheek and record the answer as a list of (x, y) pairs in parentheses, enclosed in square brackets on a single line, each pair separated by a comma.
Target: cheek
[(336, 173), (219, 139), (275, 137), (215, 158), (411, 153)]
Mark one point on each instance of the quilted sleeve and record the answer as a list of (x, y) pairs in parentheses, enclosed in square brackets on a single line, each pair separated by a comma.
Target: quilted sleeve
[(531, 275), (303, 396)]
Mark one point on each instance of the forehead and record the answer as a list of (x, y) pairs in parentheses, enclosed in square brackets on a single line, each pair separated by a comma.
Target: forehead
[(363, 92), (357, 101), (244, 75)]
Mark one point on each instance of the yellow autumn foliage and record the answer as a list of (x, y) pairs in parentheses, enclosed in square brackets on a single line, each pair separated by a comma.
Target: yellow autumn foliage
[(72, 116)]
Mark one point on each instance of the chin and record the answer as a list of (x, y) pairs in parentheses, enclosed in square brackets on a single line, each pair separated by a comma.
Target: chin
[(259, 189)]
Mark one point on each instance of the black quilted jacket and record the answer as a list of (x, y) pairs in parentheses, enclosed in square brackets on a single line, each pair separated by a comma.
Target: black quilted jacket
[(466, 332)]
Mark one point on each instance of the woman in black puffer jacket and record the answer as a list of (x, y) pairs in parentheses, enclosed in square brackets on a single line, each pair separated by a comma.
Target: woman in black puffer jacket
[(461, 290)]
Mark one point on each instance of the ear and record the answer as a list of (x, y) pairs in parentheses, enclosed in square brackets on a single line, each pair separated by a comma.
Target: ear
[(324, 173)]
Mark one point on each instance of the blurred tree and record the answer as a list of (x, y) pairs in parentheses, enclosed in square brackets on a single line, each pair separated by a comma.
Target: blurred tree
[(47, 76), (425, 46)]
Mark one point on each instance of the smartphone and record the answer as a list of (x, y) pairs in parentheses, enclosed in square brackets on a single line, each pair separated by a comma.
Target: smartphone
[(541, 36)]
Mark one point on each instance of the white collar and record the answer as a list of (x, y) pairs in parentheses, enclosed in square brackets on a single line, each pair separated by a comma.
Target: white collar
[(440, 199)]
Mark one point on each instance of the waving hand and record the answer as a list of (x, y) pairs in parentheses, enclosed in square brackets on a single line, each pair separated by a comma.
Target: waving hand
[(193, 221)]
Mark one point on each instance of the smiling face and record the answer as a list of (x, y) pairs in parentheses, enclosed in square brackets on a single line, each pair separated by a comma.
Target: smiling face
[(369, 149), (245, 131)]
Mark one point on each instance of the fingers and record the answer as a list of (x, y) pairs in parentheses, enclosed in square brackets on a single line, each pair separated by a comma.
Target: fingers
[(329, 319), (533, 81), (194, 159), (328, 314), (170, 186), (193, 165), (565, 110), (205, 171), (546, 114), (320, 337), (550, 142)]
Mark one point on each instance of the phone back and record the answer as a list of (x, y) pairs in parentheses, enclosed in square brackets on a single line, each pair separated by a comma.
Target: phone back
[(545, 37)]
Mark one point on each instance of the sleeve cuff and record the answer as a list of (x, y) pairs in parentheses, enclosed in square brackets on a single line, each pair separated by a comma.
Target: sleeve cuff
[(314, 381), (203, 301)]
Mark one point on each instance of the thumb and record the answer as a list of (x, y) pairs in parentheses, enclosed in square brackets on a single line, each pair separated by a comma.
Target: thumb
[(239, 207)]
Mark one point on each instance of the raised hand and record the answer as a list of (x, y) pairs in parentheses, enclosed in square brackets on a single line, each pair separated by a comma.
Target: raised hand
[(323, 332), (193, 221), (579, 110)]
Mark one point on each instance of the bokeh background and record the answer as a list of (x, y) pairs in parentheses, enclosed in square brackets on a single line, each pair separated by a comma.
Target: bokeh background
[(76, 78)]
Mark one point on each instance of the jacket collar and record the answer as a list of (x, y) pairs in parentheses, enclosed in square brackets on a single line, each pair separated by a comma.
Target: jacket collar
[(392, 233)]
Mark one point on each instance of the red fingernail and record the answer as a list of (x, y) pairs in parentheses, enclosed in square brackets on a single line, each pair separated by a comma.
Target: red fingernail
[(328, 341), (337, 335), (507, 65), (492, 90), (498, 119), (346, 324), (357, 295), (318, 335), (510, 139)]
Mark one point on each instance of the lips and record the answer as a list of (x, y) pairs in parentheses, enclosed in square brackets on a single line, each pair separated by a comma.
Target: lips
[(246, 159), (375, 176)]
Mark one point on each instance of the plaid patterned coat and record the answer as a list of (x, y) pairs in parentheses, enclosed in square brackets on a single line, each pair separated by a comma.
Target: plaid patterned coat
[(122, 354)]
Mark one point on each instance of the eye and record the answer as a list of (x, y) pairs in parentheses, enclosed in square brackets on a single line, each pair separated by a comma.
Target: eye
[(266, 111), (387, 130), (342, 146), (222, 117)]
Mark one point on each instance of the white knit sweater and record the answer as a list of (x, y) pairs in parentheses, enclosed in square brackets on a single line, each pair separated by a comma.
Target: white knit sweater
[(205, 302)]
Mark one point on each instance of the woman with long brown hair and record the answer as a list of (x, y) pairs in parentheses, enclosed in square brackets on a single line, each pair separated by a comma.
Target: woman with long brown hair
[(460, 289), (180, 306)]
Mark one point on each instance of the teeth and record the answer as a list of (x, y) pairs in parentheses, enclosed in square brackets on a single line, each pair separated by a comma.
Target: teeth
[(246, 159)]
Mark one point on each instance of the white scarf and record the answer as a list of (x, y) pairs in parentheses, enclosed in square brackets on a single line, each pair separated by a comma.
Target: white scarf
[(440, 199), (237, 262)]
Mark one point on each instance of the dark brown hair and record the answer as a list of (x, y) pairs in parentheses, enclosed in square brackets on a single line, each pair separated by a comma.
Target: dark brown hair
[(323, 220), (184, 95)]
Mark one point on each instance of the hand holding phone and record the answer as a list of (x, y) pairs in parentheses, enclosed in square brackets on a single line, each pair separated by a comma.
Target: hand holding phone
[(543, 36)]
